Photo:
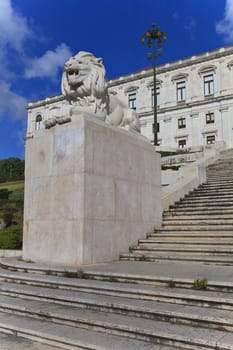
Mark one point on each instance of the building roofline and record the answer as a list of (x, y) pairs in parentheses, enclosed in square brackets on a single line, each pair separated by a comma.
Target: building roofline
[(169, 66)]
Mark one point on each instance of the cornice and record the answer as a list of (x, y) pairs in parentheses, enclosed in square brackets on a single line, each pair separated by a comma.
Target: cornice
[(188, 105), (46, 101)]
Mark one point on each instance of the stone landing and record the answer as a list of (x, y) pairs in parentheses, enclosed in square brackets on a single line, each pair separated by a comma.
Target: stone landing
[(91, 190)]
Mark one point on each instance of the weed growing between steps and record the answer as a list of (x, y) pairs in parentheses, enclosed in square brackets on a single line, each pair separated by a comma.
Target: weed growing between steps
[(171, 284), (200, 284)]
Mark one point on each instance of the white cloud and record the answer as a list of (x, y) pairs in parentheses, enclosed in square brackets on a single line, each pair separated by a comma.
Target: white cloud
[(190, 23), (11, 103), (225, 26), (49, 63), (14, 29), (176, 16)]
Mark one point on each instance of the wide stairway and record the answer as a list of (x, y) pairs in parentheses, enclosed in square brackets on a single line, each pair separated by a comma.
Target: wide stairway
[(198, 228), (173, 291)]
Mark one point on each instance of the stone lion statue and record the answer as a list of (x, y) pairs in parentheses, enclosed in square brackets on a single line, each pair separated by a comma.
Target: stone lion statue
[(85, 88)]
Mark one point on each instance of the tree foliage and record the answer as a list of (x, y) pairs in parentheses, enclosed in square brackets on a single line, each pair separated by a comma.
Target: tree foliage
[(11, 169)]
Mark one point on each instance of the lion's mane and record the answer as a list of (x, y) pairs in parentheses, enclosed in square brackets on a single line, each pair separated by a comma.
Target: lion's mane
[(92, 89)]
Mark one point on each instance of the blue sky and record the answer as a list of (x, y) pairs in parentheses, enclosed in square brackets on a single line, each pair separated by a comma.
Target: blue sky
[(38, 36)]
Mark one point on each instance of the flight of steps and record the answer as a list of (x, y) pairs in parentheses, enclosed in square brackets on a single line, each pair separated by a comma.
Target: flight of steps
[(138, 307), (198, 228)]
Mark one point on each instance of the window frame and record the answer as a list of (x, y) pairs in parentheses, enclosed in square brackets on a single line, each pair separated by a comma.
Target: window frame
[(181, 91), (211, 138), (181, 122), (208, 82), (157, 95), (182, 143), (38, 122), (132, 98), (209, 118)]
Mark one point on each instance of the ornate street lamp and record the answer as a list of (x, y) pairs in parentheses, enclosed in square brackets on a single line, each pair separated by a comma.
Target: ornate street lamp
[(154, 38)]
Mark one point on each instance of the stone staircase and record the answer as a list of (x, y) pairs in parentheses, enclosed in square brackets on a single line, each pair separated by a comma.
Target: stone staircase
[(198, 228), (156, 301)]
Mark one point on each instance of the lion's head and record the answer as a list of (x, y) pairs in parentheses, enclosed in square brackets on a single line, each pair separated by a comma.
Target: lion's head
[(84, 80), (85, 88)]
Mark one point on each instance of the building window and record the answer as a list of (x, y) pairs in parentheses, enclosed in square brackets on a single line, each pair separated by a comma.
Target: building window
[(158, 127), (208, 84), (182, 143), (38, 125), (209, 117), (181, 91), (132, 101), (181, 123), (210, 140), (157, 94)]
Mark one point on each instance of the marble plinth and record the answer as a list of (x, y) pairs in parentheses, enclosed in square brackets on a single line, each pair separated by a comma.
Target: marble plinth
[(91, 191)]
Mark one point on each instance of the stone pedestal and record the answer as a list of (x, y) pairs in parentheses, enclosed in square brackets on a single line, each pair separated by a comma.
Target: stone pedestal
[(91, 191)]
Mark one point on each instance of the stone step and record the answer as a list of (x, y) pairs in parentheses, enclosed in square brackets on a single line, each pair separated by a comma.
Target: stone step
[(12, 342), (123, 275), (173, 257), (194, 211), (207, 201), (210, 196), (216, 182), (81, 293), (153, 335), (187, 235), (201, 206), (72, 338), (110, 313), (202, 217), (178, 249), (195, 215), (192, 227), (214, 189), (61, 291), (198, 222), (206, 241)]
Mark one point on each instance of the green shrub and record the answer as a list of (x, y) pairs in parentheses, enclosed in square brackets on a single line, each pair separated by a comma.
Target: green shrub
[(7, 217), (11, 238), (4, 193)]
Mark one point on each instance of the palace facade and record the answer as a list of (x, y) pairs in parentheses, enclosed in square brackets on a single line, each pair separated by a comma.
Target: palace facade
[(194, 98)]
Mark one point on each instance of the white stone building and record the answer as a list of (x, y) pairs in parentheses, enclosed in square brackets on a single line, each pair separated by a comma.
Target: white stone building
[(194, 96)]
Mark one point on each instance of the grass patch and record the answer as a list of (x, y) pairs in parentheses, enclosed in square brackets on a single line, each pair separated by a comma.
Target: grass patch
[(11, 186), (11, 214), (200, 284)]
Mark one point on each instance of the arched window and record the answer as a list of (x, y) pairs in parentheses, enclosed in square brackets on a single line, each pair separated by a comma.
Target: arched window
[(38, 122)]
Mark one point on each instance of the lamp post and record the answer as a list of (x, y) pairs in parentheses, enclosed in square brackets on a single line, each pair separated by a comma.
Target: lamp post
[(154, 38)]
